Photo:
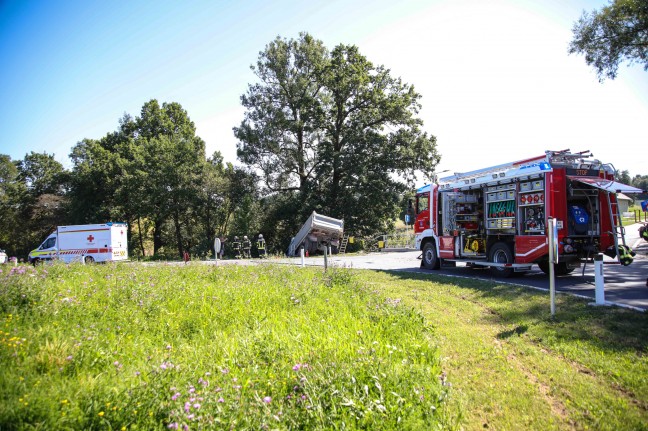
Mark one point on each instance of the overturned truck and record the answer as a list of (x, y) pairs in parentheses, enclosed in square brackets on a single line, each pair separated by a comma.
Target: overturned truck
[(317, 233)]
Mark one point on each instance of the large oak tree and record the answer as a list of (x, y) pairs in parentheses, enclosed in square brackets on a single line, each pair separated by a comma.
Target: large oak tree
[(333, 132)]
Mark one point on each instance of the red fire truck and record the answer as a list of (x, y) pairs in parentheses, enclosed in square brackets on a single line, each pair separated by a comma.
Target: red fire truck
[(497, 217)]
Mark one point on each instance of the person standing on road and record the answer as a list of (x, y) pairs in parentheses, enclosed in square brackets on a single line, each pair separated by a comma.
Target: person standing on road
[(236, 246), (222, 249), (261, 246), (247, 246)]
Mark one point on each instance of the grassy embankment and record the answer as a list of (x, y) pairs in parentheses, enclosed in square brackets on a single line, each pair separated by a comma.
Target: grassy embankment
[(89, 347), (513, 367), (127, 347)]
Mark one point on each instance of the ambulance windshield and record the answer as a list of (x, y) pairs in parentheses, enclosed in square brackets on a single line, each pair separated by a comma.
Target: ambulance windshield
[(49, 243)]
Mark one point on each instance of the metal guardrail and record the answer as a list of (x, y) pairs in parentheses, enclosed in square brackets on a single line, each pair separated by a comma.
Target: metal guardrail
[(398, 240)]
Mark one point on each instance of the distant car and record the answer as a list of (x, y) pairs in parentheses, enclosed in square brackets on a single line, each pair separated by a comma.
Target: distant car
[(3, 256)]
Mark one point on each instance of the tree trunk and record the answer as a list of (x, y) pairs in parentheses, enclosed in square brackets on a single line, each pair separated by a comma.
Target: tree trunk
[(336, 177), (141, 239), (157, 236), (176, 222)]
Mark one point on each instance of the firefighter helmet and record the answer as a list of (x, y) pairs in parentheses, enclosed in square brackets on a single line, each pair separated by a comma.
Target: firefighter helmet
[(260, 236)]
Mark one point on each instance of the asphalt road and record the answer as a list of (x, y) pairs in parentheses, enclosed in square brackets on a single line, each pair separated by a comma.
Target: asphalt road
[(624, 285)]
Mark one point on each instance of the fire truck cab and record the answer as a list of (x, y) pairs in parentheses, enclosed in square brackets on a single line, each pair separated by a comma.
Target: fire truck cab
[(497, 217)]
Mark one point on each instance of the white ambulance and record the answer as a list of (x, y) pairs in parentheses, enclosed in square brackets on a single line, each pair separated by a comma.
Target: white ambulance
[(89, 243)]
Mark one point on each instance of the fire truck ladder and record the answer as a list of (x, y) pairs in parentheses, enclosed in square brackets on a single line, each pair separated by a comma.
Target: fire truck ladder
[(618, 231)]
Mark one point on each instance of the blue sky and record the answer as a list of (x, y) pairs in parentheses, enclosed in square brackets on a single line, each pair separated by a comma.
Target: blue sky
[(496, 80)]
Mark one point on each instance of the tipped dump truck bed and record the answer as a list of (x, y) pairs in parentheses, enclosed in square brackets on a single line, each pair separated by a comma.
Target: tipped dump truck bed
[(317, 231)]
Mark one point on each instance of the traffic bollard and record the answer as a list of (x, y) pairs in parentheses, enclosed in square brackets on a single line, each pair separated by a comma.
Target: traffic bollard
[(599, 279)]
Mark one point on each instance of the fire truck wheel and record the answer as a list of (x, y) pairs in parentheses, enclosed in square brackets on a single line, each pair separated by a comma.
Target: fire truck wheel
[(559, 268), (430, 259), (501, 253), (89, 260)]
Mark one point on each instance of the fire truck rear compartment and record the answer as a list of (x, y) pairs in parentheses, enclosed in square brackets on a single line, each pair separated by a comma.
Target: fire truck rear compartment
[(583, 222)]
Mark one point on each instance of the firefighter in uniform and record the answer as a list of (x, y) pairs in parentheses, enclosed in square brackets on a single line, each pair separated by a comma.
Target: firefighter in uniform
[(261, 246), (247, 245), (236, 246), (643, 232)]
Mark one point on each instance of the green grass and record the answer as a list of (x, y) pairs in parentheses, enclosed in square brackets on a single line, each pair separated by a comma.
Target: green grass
[(159, 347), (513, 367), (270, 347)]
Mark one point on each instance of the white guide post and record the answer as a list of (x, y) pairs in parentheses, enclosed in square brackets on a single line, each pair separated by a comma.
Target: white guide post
[(599, 279), (553, 259)]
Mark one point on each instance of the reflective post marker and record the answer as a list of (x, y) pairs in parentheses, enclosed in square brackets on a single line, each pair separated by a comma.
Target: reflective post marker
[(553, 259), (326, 259), (301, 251), (599, 279)]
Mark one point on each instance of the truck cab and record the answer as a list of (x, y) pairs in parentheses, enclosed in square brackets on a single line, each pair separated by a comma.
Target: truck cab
[(46, 251)]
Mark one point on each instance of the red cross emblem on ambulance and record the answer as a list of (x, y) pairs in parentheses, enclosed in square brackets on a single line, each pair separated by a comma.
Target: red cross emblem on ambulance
[(90, 238)]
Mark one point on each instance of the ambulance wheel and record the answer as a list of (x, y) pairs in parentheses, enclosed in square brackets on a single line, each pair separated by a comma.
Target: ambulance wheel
[(89, 260), (500, 252), (559, 268), (430, 258), (36, 262)]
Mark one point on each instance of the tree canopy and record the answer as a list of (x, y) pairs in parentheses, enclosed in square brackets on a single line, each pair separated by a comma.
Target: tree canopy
[(330, 131), (616, 33)]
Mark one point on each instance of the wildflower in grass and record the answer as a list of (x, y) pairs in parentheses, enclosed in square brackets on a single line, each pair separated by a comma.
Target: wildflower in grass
[(191, 416), (187, 407), (221, 400), (196, 406), (267, 400), (175, 396), (168, 347), (69, 358), (101, 414), (173, 426), (225, 370)]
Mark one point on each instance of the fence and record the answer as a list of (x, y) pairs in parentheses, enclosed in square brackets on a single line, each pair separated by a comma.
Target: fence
[(640, 216)]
